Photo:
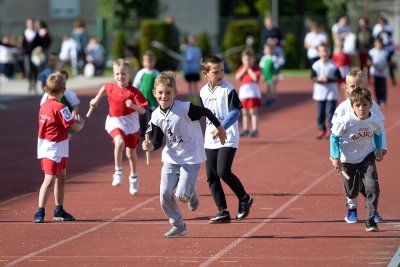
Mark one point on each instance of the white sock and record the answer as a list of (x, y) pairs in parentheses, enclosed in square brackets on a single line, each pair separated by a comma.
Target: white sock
[(133, 174), (118, 169)]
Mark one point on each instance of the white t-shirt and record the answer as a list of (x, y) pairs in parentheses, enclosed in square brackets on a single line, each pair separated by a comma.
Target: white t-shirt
[(313, 40), (216, 99), (325, 91), (345, 108), (357, 136), (184, 137), (70, 95)]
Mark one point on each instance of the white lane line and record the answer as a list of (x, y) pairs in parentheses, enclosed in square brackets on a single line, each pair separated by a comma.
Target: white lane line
[(235, 243), (33, 254)]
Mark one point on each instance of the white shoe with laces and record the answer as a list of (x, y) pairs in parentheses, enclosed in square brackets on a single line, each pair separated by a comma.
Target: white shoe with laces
[(133, 185), (117, 178), (176, 232)]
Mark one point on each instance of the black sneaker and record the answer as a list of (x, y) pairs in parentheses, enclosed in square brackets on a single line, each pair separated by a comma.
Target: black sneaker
[(62, 215), (222, 216), (38, 217), (244, 208), (371, 226)]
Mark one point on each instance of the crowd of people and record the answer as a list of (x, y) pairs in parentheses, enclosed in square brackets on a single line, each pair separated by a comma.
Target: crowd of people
[(27, 54)]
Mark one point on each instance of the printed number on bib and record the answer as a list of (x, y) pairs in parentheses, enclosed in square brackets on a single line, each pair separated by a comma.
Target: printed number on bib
[(66, 114)]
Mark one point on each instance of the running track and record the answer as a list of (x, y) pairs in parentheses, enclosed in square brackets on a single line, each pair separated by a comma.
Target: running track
[(296, 219)]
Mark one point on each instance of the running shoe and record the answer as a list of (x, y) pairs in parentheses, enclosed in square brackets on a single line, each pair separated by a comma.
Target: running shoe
[(62, 215), (133, 185), (222, 216), (351, 216), (244, 208), (117, 178), (176, 232)]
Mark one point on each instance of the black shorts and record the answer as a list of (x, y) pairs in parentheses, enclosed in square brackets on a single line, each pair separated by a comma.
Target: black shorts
[(192, 77)]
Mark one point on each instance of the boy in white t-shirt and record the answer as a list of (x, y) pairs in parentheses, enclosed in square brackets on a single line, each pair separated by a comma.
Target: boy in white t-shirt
[(184, 150), (355, 144), (353, 79)]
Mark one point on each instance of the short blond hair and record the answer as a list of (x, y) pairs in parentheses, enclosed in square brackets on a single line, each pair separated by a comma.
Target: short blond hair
[(120, 62), (166, 78), (55, 84)]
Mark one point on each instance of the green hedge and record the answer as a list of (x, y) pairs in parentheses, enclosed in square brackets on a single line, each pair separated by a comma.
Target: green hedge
[(160, 31), (235, 35)]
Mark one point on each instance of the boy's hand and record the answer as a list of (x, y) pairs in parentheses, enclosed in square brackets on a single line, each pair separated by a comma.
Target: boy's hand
[(129, 103), (336, 163), (79, 119), (93, 102), (220, 133), (147, 146), (322, 79), (379, 155)]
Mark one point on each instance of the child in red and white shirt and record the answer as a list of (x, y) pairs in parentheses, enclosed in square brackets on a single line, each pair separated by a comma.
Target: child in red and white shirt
[(249, 92), (342, 60), (125, 104), (53, 146)]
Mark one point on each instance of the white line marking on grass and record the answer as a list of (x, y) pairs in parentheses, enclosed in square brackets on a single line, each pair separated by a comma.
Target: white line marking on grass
[(235, 243), (62, 242)]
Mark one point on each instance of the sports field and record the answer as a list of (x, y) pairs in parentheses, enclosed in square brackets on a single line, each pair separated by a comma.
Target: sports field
[(296, 219)]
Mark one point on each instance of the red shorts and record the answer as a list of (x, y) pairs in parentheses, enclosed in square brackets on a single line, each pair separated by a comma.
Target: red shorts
[(53, 168), (131, 140), (251, 103)]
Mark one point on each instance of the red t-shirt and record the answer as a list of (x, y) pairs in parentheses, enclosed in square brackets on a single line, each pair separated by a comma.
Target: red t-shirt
[(117, 97), (246, 77), (341, 59)]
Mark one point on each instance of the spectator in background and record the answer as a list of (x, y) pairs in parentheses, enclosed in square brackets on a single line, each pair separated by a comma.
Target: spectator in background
[(7, 52), (68, 52), (31, 40), (364, 43), (314, 38), (44, 34), (95, 54), (378, 60), (175, 39), (342, 60), (80, 37), (191, 67), (270, 33), (340, 30), (384, 31)]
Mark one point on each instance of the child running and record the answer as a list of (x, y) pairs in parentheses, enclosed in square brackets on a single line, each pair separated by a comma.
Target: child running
[(183, 152), (249, 92), (53, 147), (356, 142), (356, 78), (122, 123), (221, 98)]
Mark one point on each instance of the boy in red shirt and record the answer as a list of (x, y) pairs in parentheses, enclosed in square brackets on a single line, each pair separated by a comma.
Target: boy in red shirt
[(53, 146), (122, 124)]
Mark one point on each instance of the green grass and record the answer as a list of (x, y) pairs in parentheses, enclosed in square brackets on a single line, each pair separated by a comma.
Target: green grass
[(296, 73)]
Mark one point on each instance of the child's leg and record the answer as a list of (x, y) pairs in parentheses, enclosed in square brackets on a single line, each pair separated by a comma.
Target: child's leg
[(321, 115), (59, 188), (254, 118), (213, 180), (119, 145), (330, 109), (245, 114), (168, 183), (224, 164), (131, 154), (45, 190), (187, 182), (369, 177)]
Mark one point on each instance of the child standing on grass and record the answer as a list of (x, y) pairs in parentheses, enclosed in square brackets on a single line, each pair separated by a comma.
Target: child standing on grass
[(144, 80), (356, 78), (183, 152), (356, 142), (325, 75), (249, 92), (221, 98), (53, 147), (122, 123)]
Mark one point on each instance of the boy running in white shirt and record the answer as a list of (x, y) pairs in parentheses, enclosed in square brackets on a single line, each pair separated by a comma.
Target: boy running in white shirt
[(353, 79), (355, 144), (184, 150)]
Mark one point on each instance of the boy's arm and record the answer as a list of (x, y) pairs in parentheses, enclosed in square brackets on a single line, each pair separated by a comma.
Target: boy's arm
[(335, 151), (234, 106), (156, 136), (95, 101), (79, 123), (196, 112), (240, 72), (139, 102)]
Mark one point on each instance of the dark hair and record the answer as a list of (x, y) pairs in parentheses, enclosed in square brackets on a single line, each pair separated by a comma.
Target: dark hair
[(359, 95), (209, 59)]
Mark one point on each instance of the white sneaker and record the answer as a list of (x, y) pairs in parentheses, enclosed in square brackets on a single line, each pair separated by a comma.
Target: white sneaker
[(133, 185), (193, 204), (176, 232), (117, 178)]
